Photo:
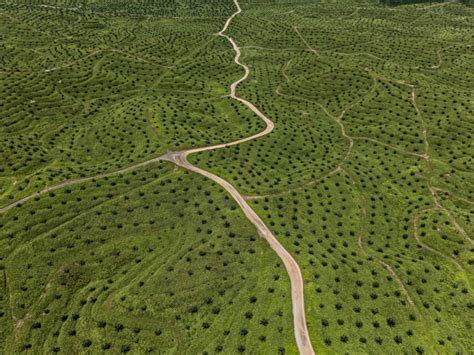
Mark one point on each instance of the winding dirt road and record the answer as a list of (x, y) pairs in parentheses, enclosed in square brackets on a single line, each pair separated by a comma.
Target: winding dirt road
[(180, 158)]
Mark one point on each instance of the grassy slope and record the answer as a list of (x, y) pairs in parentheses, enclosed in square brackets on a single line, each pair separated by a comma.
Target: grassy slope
[(159, 252), (150, 251), (165, 255), (348, 213), (116, 94)]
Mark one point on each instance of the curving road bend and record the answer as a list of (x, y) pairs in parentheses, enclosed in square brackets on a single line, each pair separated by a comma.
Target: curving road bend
[(303, 341)]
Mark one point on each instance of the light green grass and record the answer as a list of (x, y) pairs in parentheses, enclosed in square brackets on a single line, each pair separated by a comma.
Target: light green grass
[(162, 253), (160, 260)]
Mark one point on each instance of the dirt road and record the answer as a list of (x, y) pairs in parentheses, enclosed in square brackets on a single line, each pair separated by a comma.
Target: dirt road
[(76, 181), (180, 158)]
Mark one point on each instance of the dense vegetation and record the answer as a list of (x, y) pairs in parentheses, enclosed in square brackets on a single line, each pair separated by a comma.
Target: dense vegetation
[(367, 178), (98, 266)]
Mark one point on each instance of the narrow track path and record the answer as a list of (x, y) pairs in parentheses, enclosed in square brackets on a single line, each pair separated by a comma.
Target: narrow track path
[(180, 158), (308, 46), (76, 181)]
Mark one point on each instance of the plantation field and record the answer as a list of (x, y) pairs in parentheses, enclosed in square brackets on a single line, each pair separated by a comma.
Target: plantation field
[(377, 205), (154, 260), (224, 176)]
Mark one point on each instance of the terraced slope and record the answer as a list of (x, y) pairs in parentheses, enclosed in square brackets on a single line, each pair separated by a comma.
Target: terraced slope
[(366, 178), (81, 99), (152, 288), (361, 171), (154, 260)]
